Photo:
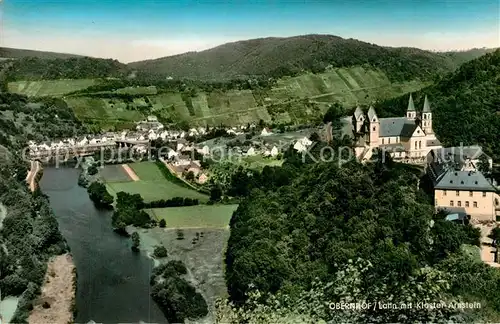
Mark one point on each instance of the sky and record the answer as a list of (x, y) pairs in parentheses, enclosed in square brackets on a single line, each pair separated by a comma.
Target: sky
[(142, 29)]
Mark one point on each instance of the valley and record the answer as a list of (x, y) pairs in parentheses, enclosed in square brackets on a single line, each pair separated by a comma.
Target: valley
[(174, 232)]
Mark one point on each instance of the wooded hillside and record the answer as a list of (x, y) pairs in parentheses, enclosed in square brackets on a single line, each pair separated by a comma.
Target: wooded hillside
[(277, 57), (465, 105)]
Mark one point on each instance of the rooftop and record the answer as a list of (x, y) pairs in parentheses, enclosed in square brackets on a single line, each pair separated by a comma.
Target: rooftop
[(464, 180), (396, 126)]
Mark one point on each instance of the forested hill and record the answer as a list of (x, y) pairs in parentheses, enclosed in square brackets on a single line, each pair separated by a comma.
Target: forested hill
[(365, 232), (35, 68), (277, 57), (29, 234), (465, 104)]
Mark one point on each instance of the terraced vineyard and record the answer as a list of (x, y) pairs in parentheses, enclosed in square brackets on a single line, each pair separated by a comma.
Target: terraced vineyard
[(295, 99), (54, 88)]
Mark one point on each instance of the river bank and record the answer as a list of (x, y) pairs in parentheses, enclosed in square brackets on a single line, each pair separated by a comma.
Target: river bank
[(204, 260), (57, 300)]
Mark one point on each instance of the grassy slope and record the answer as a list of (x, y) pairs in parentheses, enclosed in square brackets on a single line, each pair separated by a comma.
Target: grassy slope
[(202, 216)]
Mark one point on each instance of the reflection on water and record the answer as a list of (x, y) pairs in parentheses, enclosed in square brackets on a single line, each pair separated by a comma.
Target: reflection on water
[(113, 282)]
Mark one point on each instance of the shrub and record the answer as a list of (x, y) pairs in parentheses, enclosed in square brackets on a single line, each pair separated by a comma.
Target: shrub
[(160, 252)]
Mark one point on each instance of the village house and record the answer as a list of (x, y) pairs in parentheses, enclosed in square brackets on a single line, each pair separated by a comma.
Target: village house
[(408, 139), (302, 144), (265, 132)]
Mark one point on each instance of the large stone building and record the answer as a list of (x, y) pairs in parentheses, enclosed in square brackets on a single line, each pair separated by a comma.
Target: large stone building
[(459, 184), (469, 191), (408, 139)]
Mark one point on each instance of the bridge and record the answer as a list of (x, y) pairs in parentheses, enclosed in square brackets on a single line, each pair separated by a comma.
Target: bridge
[(83, 150)]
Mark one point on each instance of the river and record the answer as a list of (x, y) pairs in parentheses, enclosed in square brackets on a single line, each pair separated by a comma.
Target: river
[(113, 282)]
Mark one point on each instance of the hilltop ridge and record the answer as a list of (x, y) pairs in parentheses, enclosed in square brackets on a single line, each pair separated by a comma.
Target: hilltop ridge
[(17, 53), (287, 56)]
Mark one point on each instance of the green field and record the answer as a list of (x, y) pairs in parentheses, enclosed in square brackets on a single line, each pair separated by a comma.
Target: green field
[(114, 173), (147, 171), (202, 216), (153, 185), (259, 162), (49, 87), (299, 99)]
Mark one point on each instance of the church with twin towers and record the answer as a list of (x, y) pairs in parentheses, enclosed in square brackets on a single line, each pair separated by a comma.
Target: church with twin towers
[(407, 139)]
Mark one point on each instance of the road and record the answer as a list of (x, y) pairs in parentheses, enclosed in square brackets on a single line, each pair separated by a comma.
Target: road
[(31, 178)]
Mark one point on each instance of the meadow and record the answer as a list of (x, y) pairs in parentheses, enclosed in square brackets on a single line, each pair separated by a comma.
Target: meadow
[(152, 185), (200, 216)]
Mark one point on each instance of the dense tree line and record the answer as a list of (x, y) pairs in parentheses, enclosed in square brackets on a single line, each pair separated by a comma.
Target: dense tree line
[(174, 295), (29, 234), (99, 195), (465, 105), (129, 211), (33, 68), (107, 88), (325, 216), (172, 202)]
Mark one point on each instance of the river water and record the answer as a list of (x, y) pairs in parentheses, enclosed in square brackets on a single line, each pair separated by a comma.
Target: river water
[(113, 282)]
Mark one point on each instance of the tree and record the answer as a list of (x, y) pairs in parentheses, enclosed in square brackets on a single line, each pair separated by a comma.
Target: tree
[(215, 193), (484, 165), (333, 115), (135, 242), (184, 125), (99, 195), (92, 170), (495, 234), (314, 137), (180, 234), (318, 303), (163, 223), (190, 176), (160, 252)]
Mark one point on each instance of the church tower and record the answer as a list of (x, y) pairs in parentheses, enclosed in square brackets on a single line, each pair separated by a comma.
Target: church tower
[(411, 113), (359, 119), (374, 127), (427, 117)]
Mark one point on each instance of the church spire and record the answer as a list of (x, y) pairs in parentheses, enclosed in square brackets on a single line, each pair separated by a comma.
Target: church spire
[(411, 106), (427, 106), (411, 113)]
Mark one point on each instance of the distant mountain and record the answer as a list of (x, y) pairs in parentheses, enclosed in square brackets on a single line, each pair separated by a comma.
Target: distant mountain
[(460, 57), (279, 57), (15, 53)]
